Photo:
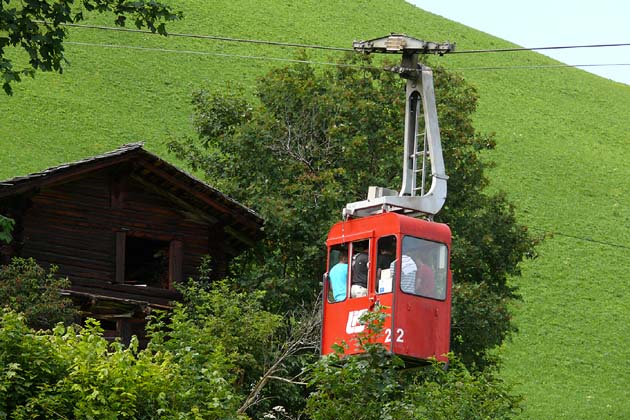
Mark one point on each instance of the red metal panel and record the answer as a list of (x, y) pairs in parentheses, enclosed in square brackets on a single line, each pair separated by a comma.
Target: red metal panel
[(419, 327), (423, 323)]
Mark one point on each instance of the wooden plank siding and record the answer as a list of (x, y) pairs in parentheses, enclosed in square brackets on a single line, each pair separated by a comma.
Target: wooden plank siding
[(113, 223), (80, 228)]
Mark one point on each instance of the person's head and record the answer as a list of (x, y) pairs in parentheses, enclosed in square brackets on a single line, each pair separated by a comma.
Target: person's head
[(360, 246), (387, 245), (343, 257)]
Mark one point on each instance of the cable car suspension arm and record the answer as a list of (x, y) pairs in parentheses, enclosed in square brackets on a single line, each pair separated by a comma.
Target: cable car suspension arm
[(419, 94)]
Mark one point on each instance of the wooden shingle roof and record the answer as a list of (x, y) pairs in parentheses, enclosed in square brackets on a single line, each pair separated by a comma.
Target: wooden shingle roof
[(243, 224)]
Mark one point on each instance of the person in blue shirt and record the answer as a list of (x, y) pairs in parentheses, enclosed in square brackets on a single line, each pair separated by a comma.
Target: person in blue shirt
[(339, 278)]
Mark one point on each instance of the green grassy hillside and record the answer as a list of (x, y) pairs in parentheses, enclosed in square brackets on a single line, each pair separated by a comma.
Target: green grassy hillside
[(563, 147)]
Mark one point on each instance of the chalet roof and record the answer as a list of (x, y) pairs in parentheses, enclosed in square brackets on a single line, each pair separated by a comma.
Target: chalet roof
[(239, 221)]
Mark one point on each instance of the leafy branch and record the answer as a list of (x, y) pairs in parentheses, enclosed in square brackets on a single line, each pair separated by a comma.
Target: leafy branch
[(37, 28)]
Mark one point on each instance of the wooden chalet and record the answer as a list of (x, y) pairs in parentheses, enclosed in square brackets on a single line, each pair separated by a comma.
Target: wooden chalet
[(124, 227)]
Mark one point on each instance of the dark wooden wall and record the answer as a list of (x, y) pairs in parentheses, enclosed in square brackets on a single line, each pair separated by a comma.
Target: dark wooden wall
[(74, 225)]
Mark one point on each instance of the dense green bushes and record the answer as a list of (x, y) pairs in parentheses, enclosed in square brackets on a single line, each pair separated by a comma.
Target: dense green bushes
[(217, 349), (27, 288), (199, 366), (218, 355), (74, 373)]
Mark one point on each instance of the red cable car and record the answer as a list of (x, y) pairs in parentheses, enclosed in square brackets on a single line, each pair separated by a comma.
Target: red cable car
[(407, 272), (380, 254)]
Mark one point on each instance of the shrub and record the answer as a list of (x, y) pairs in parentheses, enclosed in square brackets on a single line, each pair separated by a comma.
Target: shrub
[(27, 288)]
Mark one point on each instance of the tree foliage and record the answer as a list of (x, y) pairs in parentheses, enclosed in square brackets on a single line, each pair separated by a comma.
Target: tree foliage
[(373, 386), (200, 364), (27, 288), (74, 373), (311, 141), (260, 351), (36, 28), (204, 361), (6, 226), (217, 323)]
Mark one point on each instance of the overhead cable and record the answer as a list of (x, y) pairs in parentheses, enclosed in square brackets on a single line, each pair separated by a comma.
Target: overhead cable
[(324, 47), (538, 66), (582, 238), (227, 55), (561, 47), (209, 37), (325, 63)]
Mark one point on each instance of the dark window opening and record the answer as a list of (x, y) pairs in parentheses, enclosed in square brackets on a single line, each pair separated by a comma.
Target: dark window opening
[(386, 254), (147, 262), (359, 268)]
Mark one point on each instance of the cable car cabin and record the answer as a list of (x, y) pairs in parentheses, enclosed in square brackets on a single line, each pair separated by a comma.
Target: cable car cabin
[(401, 263)]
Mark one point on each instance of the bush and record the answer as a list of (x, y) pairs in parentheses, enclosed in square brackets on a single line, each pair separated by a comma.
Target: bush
[(375, 386), (481, 321), (72, 372), (27, 288), (6, 226)]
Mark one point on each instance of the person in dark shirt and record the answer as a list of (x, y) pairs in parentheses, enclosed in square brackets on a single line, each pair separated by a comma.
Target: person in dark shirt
[(359, 271)]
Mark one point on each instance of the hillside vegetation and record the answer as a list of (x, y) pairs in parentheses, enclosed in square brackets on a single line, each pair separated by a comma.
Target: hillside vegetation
[(563, 146)]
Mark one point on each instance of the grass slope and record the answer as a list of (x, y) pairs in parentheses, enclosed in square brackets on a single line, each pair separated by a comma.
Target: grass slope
[(563, 146)]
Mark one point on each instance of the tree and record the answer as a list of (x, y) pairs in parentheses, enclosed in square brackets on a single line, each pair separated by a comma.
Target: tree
[(6, 226), (27, 288), (212, 357), (373, 386), (75, 373), (259, 350), (310, 141), (36, 28)]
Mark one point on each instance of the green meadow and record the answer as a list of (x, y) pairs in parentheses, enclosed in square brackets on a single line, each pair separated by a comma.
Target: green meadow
[(563, 147)]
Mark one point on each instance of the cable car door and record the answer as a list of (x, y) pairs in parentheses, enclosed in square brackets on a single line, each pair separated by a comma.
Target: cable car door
[(421, 312), (347, 299)]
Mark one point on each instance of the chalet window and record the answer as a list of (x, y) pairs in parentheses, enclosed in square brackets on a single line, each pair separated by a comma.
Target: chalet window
[(149, 262), (146, 262), (110, 327)]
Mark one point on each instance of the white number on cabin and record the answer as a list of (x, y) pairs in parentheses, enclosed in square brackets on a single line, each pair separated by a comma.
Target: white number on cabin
[(400, 333)]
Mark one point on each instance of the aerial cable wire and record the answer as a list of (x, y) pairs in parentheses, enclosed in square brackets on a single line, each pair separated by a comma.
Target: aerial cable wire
[(560, 47), (581, 238), (587, 239), (537, 66), (208, 37), (227, 55), (324, 47), (326, 63)]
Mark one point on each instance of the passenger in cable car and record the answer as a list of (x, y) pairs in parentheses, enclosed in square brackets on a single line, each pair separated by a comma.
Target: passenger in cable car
[(386, 251), (409, 268), (338, 276), (425, 277), (386, 255), (359, 269)]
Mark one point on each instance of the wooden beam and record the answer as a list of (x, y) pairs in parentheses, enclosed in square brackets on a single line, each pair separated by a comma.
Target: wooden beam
[(121, 249), (176, 263), (203, 196)]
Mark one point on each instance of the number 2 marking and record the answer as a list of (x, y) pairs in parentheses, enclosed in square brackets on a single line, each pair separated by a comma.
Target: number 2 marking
[(400, 333)]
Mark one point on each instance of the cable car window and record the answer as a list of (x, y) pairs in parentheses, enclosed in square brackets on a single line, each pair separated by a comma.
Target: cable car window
[(359, 268), (338, 273), (386, 254), (423, 268)]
